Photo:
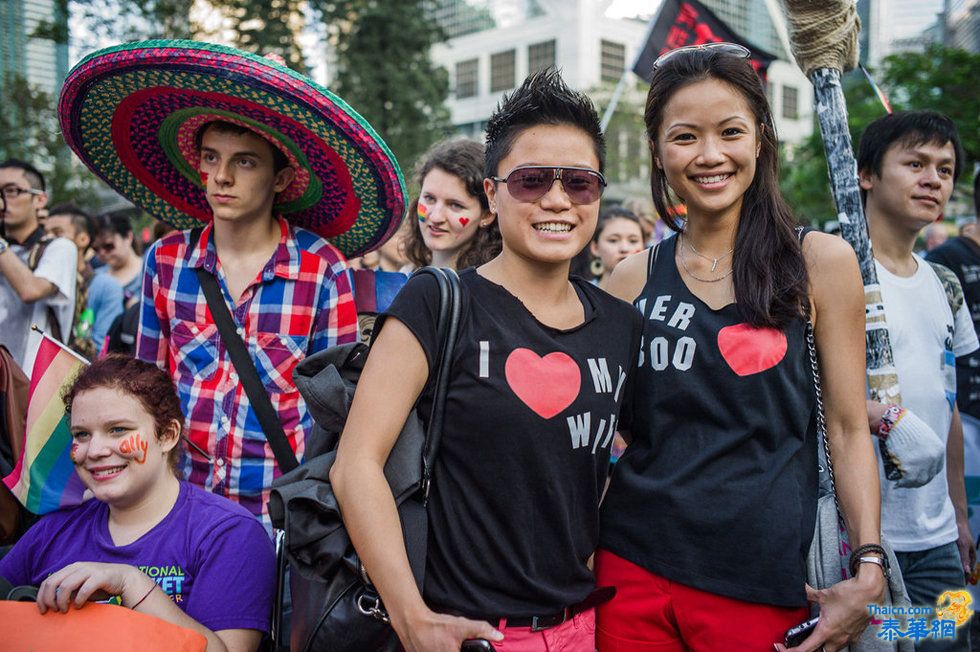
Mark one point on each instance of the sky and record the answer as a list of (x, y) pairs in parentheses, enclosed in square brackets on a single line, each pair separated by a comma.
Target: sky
[(630, 8)]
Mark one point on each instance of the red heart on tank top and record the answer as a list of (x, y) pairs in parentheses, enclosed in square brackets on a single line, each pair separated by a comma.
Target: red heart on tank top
[(463, 221), (749, 350), (546, 384)]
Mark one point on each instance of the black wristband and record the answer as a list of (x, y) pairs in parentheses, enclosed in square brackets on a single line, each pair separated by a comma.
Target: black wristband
[(872, 548)]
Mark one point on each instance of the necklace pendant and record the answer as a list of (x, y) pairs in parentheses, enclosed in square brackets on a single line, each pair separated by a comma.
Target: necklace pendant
[(714, 264)]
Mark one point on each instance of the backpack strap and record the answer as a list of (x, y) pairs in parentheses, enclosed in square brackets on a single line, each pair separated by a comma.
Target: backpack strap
[(951, 285), (33, 260)]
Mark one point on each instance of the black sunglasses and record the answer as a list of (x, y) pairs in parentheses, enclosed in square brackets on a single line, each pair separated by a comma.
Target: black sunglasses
[(582, 185), (722, 47)]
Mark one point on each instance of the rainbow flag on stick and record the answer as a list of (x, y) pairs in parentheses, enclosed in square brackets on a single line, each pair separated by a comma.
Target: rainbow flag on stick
[(44, 479)]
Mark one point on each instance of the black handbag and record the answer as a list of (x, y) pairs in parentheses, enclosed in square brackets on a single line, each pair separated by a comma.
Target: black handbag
[(335, 606)]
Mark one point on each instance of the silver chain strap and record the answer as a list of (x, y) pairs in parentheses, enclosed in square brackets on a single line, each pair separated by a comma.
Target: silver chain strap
[(811, 345)]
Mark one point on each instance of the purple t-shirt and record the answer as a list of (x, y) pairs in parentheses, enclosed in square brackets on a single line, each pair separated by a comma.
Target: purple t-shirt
[(210, 555)]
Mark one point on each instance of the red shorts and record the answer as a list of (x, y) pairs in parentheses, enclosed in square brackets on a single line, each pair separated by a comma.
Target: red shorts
[(653, 614), (574, 635)]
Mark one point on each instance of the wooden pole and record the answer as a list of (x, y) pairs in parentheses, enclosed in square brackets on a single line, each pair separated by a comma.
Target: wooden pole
[(832, 116)]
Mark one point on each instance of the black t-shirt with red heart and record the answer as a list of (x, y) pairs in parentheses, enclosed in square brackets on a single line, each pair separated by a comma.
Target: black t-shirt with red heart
[(717, 489), (530, 416)]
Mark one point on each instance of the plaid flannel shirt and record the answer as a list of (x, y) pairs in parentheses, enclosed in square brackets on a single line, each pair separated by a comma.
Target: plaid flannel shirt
[(299, 304)]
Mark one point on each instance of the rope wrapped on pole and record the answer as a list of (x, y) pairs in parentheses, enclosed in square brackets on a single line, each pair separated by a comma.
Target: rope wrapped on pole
[(824, 38), (824, 34)]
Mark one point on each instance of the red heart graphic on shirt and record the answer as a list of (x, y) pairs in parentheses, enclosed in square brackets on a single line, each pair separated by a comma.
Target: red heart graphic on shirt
[(749, 350), (547, 385), (463, 221)]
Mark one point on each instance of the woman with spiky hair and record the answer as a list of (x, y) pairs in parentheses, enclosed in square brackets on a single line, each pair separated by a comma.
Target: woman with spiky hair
[(536, 384)]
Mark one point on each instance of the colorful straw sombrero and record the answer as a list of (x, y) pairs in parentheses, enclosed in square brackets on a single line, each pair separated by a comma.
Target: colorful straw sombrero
[(131, 114)]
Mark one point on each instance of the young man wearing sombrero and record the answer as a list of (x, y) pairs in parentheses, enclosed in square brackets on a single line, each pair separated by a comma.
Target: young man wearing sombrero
[(270, 165)]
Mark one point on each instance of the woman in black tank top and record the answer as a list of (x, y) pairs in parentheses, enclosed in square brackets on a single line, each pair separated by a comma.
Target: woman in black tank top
[(710, 512)]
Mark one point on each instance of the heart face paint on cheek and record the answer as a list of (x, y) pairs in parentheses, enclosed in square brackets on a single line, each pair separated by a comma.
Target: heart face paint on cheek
[(463, 221), (204, 178), (134, 448), (423, 212)]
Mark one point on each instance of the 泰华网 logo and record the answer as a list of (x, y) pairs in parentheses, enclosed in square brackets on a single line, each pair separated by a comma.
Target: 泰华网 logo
[(955, 605), (895, 622)]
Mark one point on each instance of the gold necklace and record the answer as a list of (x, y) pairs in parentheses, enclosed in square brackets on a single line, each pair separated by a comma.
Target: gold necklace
[(698, 278), (714, 261)]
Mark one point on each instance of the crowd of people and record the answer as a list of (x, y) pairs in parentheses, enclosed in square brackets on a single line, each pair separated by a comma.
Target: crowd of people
[(587, 336)]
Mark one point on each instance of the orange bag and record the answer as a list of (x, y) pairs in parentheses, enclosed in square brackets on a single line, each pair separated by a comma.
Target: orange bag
[(93, 628)]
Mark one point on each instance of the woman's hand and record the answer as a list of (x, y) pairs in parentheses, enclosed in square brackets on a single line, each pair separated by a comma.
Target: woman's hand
[(843, 610), (78, 582), (441, 633)]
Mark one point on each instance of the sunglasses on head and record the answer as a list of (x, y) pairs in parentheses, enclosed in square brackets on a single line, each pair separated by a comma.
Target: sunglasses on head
[(732, 49), (582, 185)]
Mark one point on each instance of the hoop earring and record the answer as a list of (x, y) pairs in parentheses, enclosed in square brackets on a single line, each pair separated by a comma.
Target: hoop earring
[(596, 267)]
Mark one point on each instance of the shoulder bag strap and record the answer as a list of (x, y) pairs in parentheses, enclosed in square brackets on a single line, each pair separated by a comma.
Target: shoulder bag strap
[(450, 295), (257, 395), (811, 345)]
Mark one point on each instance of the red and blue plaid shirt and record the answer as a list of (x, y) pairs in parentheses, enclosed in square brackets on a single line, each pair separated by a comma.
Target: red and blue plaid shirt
[(300, 303)]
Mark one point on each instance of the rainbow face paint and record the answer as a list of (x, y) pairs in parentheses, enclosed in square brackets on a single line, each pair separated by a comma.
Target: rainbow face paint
[(134, 448), (423, 212), (74, 453), (204, 178)]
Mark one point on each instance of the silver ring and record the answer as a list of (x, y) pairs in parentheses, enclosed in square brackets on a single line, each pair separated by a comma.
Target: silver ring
[(57, 590)]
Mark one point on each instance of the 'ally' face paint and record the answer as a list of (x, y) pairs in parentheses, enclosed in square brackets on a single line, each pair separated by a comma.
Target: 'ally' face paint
[(134, 448), (423, 212)]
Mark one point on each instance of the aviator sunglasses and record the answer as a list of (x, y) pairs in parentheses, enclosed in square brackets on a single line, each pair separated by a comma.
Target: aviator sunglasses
[(721, 47), (582, 185)]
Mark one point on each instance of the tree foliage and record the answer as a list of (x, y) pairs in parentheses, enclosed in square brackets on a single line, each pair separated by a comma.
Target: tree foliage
[(385, 73), (119, 22), (627, 153), (268, 26), (941, 79), (29, 131)]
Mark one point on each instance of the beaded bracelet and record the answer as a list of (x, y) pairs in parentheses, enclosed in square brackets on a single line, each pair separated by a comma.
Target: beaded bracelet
[(892, 415), (861, 551)]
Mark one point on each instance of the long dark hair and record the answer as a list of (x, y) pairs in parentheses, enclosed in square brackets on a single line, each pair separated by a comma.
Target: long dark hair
[(462, 158), (769, 271)]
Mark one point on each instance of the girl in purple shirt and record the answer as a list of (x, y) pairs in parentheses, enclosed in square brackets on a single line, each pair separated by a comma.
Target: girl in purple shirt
[(158, 545)]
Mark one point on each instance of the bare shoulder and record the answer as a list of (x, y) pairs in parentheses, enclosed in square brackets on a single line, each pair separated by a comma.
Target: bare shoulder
[(629, 276), (834, 276), (826, 254)]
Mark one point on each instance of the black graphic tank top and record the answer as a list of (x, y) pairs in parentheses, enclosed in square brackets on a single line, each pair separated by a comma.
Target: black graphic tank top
[(718, 488)]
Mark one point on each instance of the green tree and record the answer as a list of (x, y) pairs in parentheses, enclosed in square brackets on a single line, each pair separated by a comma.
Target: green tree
[(941, 79), (627, 153), (118, 22), (29, 131), (269, 26), (385, 72)]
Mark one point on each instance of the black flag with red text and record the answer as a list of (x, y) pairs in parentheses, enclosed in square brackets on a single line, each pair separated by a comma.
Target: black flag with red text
[(688, 22)]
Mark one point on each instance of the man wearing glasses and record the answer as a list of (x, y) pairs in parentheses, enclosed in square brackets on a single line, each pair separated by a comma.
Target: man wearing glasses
[(37, 272)]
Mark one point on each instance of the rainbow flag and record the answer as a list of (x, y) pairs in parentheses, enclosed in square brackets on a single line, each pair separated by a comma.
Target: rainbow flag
[(878, 92), (44, 479)]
